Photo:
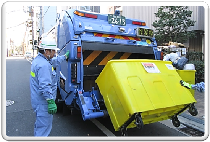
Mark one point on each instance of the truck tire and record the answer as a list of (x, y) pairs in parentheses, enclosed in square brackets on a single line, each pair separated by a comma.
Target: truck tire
[(57, 102)]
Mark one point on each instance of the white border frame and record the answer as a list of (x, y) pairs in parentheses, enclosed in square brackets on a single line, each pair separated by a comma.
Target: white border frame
[(108, 2)]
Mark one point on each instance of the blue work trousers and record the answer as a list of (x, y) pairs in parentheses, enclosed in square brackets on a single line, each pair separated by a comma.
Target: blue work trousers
[(43, 123)]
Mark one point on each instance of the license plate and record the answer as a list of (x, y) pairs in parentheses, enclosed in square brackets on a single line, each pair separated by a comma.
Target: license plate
[(116, 20), (144, 32)]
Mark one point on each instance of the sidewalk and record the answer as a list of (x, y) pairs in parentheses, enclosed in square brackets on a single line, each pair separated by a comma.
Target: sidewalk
[(199, 97), (197, 121), (200, 104), (30, 60)]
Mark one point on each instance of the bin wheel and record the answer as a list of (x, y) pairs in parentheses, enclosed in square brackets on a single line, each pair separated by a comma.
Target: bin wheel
[(175, 121), (139, 123), (192, 110), (124, 133)]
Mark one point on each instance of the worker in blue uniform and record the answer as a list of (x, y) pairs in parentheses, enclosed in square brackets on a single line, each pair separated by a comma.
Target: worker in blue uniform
[(200, 87), (43, 85)]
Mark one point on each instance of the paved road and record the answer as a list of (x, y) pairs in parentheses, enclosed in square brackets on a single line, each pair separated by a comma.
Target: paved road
[(20, 117)]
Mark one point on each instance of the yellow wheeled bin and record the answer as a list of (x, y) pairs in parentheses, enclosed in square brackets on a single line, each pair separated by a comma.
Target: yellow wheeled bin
[(137, 92), (188, 76)]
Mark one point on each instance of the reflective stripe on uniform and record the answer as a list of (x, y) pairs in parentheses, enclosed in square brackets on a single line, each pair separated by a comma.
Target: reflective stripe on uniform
[(32, 74)]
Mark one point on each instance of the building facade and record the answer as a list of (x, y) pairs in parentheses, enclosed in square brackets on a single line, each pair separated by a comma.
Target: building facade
[(146, 13), (40, 20)]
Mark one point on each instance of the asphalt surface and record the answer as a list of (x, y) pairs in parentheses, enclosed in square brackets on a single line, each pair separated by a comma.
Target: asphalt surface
[(20, 116), (18, 90)]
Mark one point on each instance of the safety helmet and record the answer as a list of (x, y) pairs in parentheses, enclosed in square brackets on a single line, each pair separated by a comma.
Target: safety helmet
[(48, 43)]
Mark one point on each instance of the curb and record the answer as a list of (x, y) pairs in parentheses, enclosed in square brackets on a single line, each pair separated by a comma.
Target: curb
[(192, 122), (29, 59), (197, 120)]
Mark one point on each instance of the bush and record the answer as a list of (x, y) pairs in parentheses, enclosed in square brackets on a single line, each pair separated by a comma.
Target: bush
[(196, 58), (199, 67)]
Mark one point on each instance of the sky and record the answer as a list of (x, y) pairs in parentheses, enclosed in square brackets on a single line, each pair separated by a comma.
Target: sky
[(14, 17)]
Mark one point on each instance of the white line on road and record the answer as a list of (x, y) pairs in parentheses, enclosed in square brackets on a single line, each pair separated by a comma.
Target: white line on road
[(103, 128), (28, 60)]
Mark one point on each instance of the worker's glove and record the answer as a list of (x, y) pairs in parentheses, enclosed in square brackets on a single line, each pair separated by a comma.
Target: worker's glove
[(67, 55), (185, 84), (52, 108)]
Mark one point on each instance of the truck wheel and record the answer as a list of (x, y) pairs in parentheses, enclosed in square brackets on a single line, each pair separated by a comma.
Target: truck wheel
[(59, 107), (59, 103), (65, 109)]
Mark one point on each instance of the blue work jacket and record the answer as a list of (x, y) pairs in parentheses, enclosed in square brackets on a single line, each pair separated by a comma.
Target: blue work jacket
[(43, 83)]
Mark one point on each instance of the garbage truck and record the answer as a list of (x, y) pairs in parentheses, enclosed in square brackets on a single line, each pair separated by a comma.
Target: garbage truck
[(114, 69)]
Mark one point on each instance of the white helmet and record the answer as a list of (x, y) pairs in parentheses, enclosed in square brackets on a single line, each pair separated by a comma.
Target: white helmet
[(48, 43)]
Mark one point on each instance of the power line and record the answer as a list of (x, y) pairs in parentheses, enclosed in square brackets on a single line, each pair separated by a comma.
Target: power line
[(45, 12), (16, 25), (13, 11), (43, 16)]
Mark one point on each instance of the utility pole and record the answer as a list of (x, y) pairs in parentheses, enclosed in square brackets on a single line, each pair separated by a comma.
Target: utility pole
[(32, 15), (40, 24)]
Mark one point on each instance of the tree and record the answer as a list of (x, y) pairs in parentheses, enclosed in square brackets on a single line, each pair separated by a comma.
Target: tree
[(173, 23), (19, 48)]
